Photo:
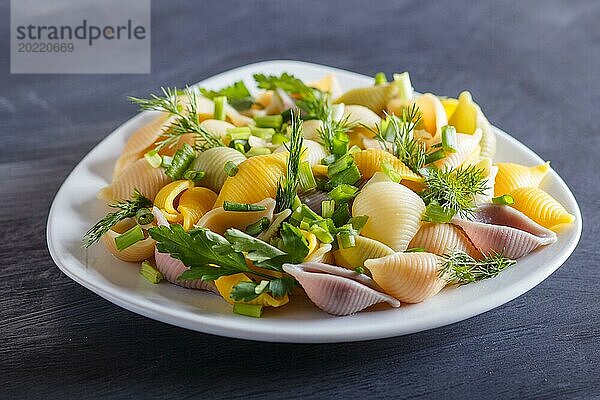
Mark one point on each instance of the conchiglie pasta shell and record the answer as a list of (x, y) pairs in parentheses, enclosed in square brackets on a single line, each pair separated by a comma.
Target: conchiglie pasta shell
[(194, 203), (541, 207), (313, 152), (363, 119), (466, 145), (488, 136), (409, 277), (165, 199), (123, 162), (442, 238), (141, 140), (310, 129), (330, 84), (464, 117), (373, 97), (365, 249), (450, 105), (512, 176), (218, 220), (225, 286), (394, 213), (212, 162), (139, 175), (256, 180), (433, 115), (369, 162), (139, 251), (216, 127), (320, 254)]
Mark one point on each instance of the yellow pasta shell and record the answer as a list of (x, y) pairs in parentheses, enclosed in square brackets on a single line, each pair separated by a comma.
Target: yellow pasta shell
[(433, 115), (394, 213), (365, 249), (450, 105), (369, 162), (139, 175), (373, 97), (256, 180), (541, 207), (218, 220), (139, 251), (165, 199), (513, 176), (409, 277), (329, 83), (464, 118), (194, 203), (226, 283), (212, 162), (442, 238)]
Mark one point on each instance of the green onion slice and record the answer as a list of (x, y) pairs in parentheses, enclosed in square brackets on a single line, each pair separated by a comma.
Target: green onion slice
[(380, 78), (230, 168), (327, 208), (232, 206), (144, 216), (182, 160), (258, 226), (449, 139), (390, 171), (193, 175), (505, 199), (151, 274), (249, 310), (436, 213), (269, 121), (306, 178), (129, 238), (153, 158), (343, 193), (220, 103)]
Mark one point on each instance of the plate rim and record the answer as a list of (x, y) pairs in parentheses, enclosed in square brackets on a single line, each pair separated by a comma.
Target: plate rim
[(212, 326)]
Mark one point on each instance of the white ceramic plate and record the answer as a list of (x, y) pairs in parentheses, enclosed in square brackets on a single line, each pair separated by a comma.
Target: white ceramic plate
[(75, 209)]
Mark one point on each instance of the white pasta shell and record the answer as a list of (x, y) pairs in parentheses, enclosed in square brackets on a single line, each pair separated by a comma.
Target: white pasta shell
[(409, 277), (336, 290), (394, 213), (442, 238), (216, 127), (218, 220), (212, 162), (310, 129), (466, 145), (502, 229), (313, 152), (362, 118), (139, 175)]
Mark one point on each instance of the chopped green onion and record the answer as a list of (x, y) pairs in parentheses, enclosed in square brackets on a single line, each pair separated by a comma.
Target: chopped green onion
[(261, 287), (258, 151), (258, 226), (182, 160), (296, 203), (269, 121), (327, 208), (129, 238), (166, 161), (436, 213), (249, 310), (330, 159), (343, 193), (304, 224), (340, 144), (144, 216), (339, 165), (153, 158), (345, 240), (390, 171), (449, 139), (358, 222), (416, 250), (306, 178), (380, 78), (279, 138), (359, 270), (354, 149), (405, 89), (322, 234), (239, 133), (435, 156), (296, 215), (193, 175), (233, 206), (230, 168), (150, 273), (240, 146), (505, 199), (341, 215), (349, 176), (220, 103), (307, 212), (263, 133)]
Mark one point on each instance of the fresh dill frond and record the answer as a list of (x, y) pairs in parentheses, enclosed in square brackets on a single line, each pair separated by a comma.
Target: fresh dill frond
[(460, 268), (334, 129), (287, 187), (396, 135), (454, 189), (126, 209), (185, 111)]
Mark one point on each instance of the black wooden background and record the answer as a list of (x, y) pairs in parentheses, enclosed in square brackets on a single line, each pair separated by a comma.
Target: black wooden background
[(533, 65)]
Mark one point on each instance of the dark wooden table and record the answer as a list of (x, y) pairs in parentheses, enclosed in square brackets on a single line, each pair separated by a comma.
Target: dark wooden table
[(534, 66)]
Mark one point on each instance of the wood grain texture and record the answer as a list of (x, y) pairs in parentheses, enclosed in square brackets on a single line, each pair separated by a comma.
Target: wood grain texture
[(532, 65)]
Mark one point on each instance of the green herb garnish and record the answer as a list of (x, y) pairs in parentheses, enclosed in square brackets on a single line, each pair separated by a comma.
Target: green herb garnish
[(126, 209), (460, 268), (287, 187), (237, 95)]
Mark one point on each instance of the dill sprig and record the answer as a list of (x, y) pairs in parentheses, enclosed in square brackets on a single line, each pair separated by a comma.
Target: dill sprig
[(186, 112), (333, 128), (126, 209), (460, 268), (396, 135), (454, 189), (287, 187)]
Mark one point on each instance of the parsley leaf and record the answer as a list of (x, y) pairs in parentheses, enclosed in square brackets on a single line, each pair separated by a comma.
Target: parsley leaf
[(282, 286), (256, 249), (237, 95), (244, 291), (293, 243)]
